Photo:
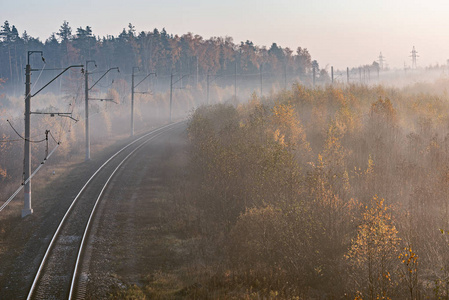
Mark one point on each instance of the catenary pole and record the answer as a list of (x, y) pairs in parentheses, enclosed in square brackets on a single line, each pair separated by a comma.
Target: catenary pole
[(86, 107), (332, 74), (132, 101), (314, 75), (171, 90), (27, 208), (86, 94), (207, 89), (197, 70), (133, 91), (235, 82), (285, 76), (171, 94)]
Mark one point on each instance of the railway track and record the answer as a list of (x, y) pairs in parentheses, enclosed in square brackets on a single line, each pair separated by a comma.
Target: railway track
[(58, 274)]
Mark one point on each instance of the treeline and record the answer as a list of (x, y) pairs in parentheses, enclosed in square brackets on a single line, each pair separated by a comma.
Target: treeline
[(152, 51), (339, 192)]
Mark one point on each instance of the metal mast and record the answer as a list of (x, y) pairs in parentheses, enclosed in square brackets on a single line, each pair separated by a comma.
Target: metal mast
[(414, 56)]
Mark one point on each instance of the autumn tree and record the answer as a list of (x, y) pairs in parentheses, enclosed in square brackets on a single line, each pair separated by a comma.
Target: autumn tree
[(85, 43), (374, 252)]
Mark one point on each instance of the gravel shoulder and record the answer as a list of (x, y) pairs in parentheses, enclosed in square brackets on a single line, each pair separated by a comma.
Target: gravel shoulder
[(23, 241), (131, 244)]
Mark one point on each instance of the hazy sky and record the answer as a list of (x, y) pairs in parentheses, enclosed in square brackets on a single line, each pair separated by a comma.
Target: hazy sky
[(336, 32)]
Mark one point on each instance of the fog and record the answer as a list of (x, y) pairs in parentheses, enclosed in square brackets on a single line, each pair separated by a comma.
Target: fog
[(300, 180)]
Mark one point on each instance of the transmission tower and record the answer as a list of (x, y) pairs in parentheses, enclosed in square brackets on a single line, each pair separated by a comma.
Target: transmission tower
[(381, 61), (414, 56)]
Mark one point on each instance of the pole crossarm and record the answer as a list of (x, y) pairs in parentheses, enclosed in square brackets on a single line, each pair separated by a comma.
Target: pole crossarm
[(217, 76), (133, 86), (148, 75), (91, 61), (52, 114), (48, 69), (103, 99), (171, 90), (31, 52), (110, 69), (65, 70), (179, 79)]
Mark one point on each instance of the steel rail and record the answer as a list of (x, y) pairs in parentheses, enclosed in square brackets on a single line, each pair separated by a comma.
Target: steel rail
[(81, 248), (158, 132)]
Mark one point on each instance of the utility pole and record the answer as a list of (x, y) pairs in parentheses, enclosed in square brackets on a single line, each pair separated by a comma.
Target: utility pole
[(46, 141), (261, 80), (197, 71), (27, 209), (86, 104), (285, 76), (347, 75), (332, 74), (207, 88), (235, 82), (381, 61), (27, 151), (86, 107), (313, 76), (171, 91), (132, 101), (180, 62), (133, 86), (414, 56), (209, 81)]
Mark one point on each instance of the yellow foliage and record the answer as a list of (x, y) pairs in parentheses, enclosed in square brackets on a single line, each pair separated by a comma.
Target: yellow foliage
[(376, 245), (287, 128), (383, 109)]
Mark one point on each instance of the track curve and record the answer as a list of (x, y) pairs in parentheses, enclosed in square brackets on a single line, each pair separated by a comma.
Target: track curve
[(56, 277)]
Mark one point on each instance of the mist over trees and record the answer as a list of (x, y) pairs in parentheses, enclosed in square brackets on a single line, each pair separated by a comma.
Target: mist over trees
[(153, 51), (328, 193), (334, 192)]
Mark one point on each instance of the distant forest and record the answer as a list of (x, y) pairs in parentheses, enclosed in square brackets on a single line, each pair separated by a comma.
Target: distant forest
[(151, 51)]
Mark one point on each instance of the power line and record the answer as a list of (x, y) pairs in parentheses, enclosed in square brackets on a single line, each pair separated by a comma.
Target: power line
[(53, 137), (42, 70), (10, 141), (40, 141), (73, 105), (27, 180)]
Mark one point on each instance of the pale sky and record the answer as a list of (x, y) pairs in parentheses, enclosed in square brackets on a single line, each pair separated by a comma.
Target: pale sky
[(336, 32)]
